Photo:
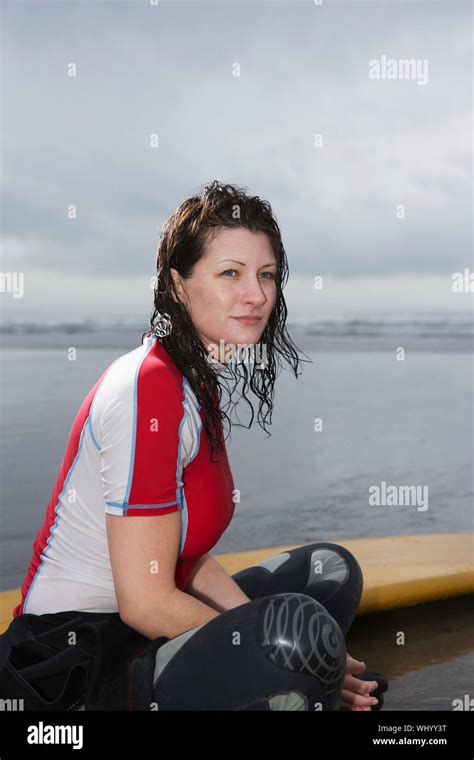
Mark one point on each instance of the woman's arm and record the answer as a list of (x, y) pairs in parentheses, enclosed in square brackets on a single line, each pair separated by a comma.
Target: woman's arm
[(143, 553), (213, 586)]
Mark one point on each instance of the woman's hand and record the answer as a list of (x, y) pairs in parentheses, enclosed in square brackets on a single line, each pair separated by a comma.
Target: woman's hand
[(355, 692)]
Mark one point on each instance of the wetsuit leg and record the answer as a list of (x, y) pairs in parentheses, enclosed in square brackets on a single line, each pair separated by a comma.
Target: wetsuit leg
[(325, 571), (278, 652), (284, 650)]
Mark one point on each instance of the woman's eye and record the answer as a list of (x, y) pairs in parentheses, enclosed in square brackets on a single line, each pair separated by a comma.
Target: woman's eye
[(272, 276)]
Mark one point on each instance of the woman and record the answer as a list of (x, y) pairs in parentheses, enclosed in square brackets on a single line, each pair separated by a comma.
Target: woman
[(122, 601)]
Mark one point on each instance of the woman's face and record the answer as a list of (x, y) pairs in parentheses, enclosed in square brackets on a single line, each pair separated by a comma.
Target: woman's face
[(234, 278)]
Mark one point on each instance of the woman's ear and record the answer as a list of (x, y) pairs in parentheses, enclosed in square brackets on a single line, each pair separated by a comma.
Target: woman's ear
[(177, 284), (183, 298)]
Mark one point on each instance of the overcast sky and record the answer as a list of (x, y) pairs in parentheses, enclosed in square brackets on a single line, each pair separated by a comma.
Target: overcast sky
[(169, 69)]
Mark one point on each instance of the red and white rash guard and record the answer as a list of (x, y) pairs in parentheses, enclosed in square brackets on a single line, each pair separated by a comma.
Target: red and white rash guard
[(137, 446)]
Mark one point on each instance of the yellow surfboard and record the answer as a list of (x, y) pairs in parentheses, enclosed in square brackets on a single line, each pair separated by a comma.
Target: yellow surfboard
[(398, 570)]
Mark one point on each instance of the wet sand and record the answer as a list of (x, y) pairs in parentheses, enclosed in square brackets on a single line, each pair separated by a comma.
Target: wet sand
[(435, 665)]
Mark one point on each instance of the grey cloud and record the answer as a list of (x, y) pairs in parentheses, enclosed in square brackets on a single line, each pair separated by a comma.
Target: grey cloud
[(167, 69)]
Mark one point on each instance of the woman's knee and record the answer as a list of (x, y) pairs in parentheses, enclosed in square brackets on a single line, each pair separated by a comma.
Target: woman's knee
[(326, 571), (257, 656), (333, 562), (296, 569), (303, 636)]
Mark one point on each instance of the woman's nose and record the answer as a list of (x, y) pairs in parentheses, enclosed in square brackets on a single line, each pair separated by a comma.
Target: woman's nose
[(254, 292)]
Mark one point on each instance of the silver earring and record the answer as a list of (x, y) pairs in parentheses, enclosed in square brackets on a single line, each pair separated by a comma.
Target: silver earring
[(163, 325)]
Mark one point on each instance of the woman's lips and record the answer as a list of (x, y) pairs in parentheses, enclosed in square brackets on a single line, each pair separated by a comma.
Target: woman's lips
[(248, 320)]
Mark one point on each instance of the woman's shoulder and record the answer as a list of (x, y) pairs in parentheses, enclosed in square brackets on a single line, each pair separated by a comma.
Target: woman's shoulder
[(144, 376)]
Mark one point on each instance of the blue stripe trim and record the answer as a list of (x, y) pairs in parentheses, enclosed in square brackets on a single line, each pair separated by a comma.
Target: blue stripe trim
[(139, 506), (92, 432), (184, 523), (134, 426), (197, 444), (93, 402), (191, 392), (57, 519), (179, 472)]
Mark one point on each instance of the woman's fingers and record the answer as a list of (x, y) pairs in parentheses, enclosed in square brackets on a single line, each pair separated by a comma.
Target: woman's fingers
[(353, 699), (355, 694), (348, 706), (357, 685), (355, 666)]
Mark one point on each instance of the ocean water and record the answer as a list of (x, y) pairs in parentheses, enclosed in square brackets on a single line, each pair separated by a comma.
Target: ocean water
[(402, 423)]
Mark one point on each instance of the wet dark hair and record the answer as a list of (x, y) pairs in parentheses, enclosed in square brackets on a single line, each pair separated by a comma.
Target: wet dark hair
[(182, 243)]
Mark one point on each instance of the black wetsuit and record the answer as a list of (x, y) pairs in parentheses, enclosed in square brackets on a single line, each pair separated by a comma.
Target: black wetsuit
[(283, 650)]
